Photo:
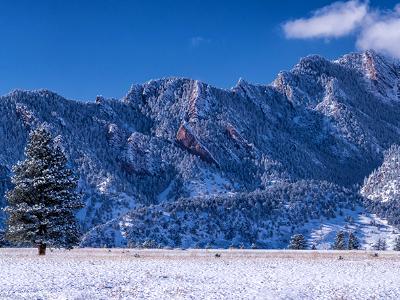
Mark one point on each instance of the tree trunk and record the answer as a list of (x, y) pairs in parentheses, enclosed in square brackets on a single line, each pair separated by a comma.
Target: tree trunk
[(42, 249)]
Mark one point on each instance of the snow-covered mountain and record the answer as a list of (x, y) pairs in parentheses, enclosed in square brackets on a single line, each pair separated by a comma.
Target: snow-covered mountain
[(174, 140)]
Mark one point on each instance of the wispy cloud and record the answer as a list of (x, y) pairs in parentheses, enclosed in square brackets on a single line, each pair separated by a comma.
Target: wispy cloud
[(335, 20), (382, 33), (197, 41), (375, 29)]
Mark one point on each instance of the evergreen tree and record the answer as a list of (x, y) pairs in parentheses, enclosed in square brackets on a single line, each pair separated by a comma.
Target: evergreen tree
[(380, 245), (383, 245), (43, 202), (297, 242), (397, 244), (340, 241), (353, 243)]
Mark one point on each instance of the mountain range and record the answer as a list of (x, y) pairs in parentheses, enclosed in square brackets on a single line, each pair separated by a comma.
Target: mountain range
[(180, 163)]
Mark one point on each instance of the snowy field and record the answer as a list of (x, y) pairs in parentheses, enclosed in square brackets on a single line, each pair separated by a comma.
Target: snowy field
[(198, 274)]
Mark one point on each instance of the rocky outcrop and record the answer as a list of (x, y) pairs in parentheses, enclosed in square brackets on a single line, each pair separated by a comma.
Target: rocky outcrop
[(27, 116), (186, 138), (115, 135), (198, 101), (370, 68), (138, 156), (237, 137)]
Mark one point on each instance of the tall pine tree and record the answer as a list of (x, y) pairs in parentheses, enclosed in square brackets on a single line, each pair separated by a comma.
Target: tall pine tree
[(297, 242), (380, 245), (340, 241), (397, 244), (353, 243), (42, 204)]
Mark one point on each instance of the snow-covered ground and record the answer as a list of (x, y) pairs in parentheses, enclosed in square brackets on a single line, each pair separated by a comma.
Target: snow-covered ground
[(198, 274)]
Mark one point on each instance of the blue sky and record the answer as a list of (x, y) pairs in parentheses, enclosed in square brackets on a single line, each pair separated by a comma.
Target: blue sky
[(81, 49)]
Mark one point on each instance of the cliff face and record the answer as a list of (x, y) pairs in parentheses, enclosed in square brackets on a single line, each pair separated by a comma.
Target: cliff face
[(186, 138), (174, 137)]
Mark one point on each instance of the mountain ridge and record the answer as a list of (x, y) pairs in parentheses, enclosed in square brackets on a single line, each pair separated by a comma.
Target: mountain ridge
[(322, 121)]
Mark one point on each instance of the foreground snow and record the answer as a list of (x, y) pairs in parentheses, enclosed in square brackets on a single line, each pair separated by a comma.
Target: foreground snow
[(198, 274)]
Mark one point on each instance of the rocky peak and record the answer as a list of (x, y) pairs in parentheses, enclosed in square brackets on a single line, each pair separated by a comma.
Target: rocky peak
[(249, 91), (312, 65), (381, 73)]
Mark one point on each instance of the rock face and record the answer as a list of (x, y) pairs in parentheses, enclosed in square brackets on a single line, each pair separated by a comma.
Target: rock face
[(188, 140), (237, 137), (323, 120)]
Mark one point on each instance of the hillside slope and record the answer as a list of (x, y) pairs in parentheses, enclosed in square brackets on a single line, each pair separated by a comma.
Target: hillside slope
[(382, 187), (262, 219)]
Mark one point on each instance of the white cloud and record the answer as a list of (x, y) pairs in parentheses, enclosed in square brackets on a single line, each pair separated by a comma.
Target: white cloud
[(335, 20), (382, 34), (378, 30)]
